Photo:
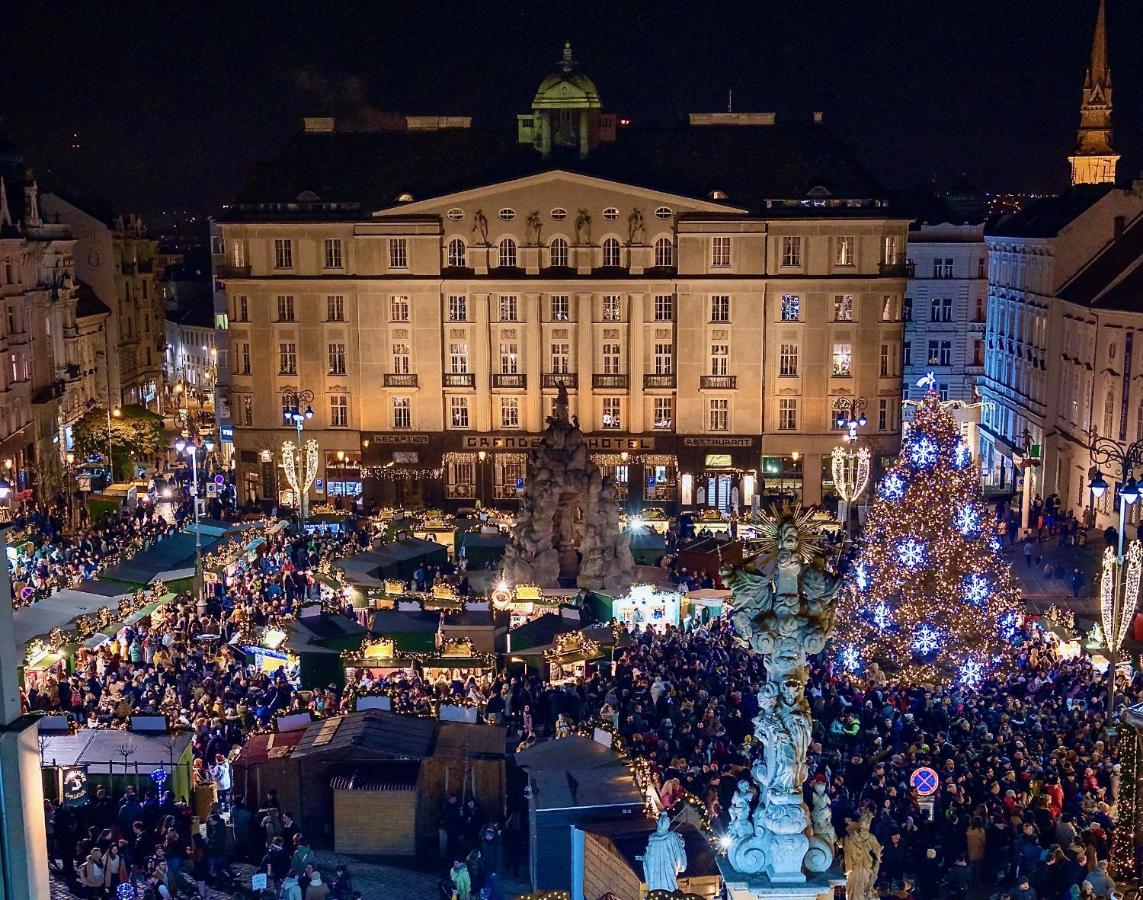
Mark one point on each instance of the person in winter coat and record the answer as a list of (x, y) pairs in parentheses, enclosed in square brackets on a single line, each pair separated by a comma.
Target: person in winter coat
[(957, 879), (1102, 884), (92, 874), (461, 883), (290, 888)]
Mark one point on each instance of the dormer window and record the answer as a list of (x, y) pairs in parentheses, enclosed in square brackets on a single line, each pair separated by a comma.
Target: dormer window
[(559, 214), (507, 214), (611, 213), (455, 214), (663, 212)]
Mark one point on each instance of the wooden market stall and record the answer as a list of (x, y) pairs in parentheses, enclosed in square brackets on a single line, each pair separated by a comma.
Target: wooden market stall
[(573, 655), (377, 658), (456, 660)]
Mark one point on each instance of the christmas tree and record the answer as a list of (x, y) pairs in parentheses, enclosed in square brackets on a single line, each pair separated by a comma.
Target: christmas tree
[(930, 596)]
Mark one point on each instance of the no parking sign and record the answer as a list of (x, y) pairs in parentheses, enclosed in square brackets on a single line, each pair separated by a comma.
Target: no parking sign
[(925, 781)]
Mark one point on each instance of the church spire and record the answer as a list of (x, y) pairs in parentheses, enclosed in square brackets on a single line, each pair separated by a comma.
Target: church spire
[(1094, 158)]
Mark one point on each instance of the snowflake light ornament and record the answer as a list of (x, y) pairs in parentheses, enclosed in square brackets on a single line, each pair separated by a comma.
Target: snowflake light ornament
[(893, 486), (971, 673), (850, 657), (911, 553), (995, 544), (967, 520), (926, 640), (861, 576), (976, 590), (961, 455), (923, 453), (1007, 625), (882, 616)]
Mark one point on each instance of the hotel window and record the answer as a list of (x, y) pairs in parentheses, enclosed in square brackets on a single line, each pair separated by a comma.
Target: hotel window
[(339, 411), (664, 359), (943, 268), (458, 407), (907, 310), (611, 308), (611, 359), (242, 308), (719, 418), (842, 359), (559, 214), (887, 308), (285, 308), (664, 252), (458, 308), (791, 307), (333, 253), (509, 412), (287, 359), (720, 308), (399, 309), (458, 358), (457, 258), (664, 308), (243, 358), (398, 253), (845, 250), (558, 258), (335, 308), (663, 412), (247, 410), (934, 349), (402, 412), (336, 359), (843, 308), (611, 417), (946, 353), (561, 358), (401, 359), (788, 360), (561, 311), (507, 214), (907, 354), (507, 254), (283, 253), (455, 214), (943, 391), (720, 252), (935, 309), (883, 414), (787, 414), (891, 249), (611, 253), (791, 251), (719, 359), (509, 358), (509, 308), (884, 360)]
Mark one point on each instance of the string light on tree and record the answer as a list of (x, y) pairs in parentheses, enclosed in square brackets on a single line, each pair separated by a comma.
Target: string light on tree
[(929, 558)]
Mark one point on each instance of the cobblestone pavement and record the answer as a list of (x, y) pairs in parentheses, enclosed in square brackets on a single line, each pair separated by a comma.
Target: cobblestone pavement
[(1041, 591)]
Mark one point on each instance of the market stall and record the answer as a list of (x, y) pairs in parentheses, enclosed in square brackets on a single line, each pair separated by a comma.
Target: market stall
[(647, 605), (264, 648), (572, 655), (701, 606), (378, 658), (526, 602), (456, 660)]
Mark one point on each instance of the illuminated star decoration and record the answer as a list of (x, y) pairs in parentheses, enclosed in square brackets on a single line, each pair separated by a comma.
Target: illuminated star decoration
[(893, 486), (927, 381), (882, 617), (976, 590), (850, 657), (861, 576), (971, 673), (925, 640), (967, 520), (911, 553), (961, 455), (924, 452)]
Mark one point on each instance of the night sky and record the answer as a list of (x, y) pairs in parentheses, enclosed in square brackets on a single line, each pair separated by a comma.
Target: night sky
[(172, 103)]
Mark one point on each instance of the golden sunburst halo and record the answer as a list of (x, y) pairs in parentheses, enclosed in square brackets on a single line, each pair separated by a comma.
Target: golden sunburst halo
[(772, 522)]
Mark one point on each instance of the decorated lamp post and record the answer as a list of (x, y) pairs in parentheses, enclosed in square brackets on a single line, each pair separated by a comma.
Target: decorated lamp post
[(300, 463), (1119, 586), (190, 445), (850, 463)]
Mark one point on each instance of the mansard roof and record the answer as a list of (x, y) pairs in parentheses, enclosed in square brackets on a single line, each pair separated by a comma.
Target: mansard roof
[(1114, 278), (348, 175)]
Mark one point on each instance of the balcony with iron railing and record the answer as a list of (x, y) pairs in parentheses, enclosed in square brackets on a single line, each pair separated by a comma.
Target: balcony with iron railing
[(609, 381), (659, 381), (459, 379), (718, 382), (906, 269), (509, 380), (406, 380), (560, 379)]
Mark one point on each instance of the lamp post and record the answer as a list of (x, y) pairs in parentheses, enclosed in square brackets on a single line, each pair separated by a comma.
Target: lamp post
[(1115, 596), (190, 445), (850, 413), (296, 408)]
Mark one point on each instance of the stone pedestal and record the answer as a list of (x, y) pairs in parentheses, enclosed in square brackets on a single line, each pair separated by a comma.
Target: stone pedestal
[(760, 887)]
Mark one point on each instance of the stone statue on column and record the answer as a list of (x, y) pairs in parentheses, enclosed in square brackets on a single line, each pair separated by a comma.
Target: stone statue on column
[(784, 610), (665, 857), (862, 860)]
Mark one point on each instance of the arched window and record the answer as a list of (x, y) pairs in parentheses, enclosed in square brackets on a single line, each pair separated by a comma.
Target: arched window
[(611, 253), (559, 253), (664, 252), (507, 253), (1109, 414), (456, 254)]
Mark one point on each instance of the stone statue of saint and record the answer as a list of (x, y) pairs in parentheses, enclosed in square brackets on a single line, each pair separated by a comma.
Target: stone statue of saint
[(665, 857), (635, 227), (740, 811), (822, 816), (784, 610), (480, 228), (534, 227), (862, 860)]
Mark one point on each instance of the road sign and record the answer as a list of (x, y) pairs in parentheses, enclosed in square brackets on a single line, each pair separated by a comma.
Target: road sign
[(925, 781)]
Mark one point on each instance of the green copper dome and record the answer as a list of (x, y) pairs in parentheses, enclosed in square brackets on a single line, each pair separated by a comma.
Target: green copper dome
[(567, 87)]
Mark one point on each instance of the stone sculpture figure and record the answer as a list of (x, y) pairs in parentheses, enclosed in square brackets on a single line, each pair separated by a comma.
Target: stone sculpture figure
[(784, 610), (534, 226), (862, 860), (740, 811), (665, 857), (821, 816), (635, 227), (568, 524), (583, 227), (480, 228)]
